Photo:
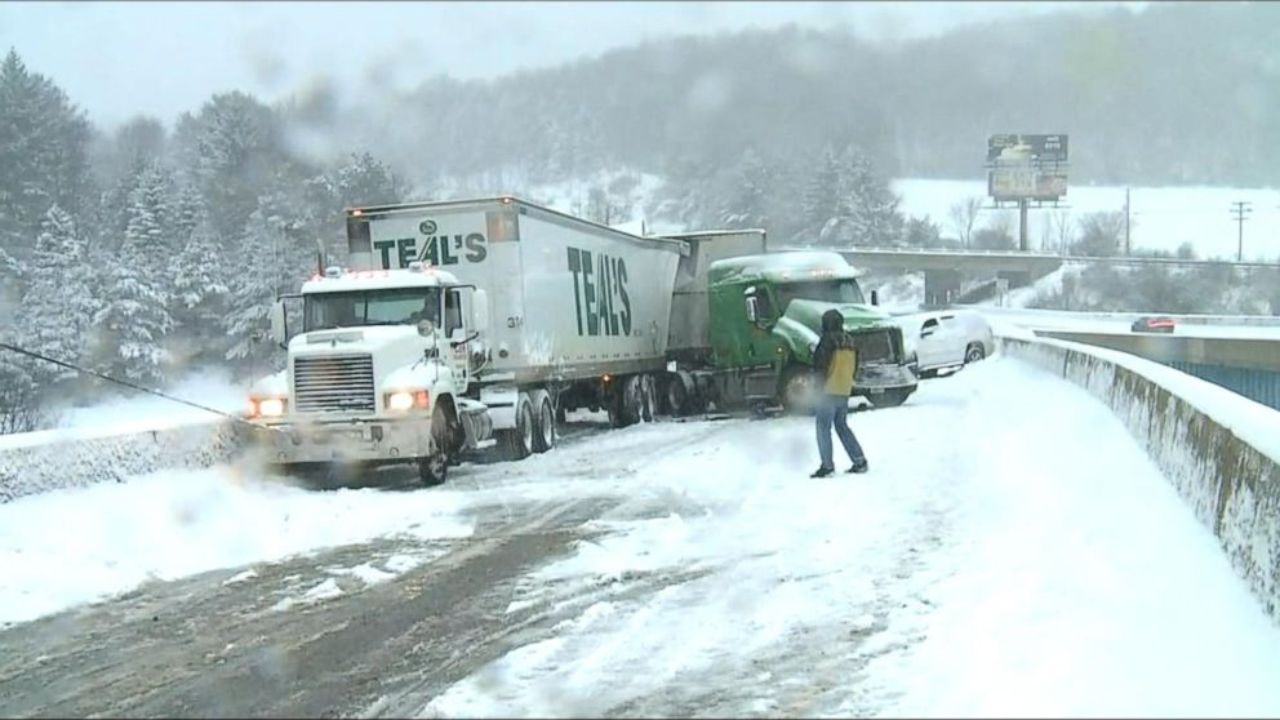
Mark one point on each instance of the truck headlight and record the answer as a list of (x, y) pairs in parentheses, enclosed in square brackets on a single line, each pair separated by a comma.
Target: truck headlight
[(403, 400), (267, 407)]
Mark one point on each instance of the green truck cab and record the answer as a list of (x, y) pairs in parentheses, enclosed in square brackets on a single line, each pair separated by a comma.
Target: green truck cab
[(761, 324)]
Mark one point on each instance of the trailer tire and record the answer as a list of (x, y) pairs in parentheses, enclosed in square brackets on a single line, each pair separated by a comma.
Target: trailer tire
[(517, 444), (648, 398), (625, 405), (434, 470), (544, 429), (677, 395)]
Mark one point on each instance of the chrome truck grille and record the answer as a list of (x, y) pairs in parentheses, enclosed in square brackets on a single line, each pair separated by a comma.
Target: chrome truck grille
[(333, 384)]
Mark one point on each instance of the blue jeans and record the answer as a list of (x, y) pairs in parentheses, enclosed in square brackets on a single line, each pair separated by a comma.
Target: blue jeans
[(834, 409)]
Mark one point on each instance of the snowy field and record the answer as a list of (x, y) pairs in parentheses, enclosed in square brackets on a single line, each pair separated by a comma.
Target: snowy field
[(1163, 217), (997, 560)]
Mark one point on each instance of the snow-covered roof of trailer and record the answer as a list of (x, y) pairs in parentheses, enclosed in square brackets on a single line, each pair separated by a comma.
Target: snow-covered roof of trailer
[(361, 280), (781, 267), (374, 212), (712, 233)]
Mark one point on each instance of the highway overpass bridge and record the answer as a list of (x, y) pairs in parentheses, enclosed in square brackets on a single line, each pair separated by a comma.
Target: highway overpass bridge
[(945, 270)]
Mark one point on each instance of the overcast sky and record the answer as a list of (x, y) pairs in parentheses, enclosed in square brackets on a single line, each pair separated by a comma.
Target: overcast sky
[(117, 60)]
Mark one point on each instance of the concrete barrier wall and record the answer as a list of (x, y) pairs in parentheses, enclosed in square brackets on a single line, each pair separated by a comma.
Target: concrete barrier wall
[(1230, 477), (40, 462)]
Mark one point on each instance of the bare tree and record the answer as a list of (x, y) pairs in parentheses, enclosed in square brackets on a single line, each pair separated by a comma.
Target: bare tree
[(964, 215), (1061, 222)]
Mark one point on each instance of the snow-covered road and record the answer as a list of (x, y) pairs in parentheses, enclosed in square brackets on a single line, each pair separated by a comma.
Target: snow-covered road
[(1011, 552)]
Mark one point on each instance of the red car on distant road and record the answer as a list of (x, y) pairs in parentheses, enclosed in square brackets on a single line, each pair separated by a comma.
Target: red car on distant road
[(1153, 324)]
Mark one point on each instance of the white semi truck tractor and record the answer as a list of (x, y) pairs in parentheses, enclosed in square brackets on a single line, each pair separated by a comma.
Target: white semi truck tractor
[(463, 324)]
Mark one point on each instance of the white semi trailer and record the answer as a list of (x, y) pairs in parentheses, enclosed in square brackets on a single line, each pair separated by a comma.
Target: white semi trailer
[(459, 324)]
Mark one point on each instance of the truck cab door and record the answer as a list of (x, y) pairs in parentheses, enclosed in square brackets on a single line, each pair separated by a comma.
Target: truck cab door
[(455, 329), (761, 316)]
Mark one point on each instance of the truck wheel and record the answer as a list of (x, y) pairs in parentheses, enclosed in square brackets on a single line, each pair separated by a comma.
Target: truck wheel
[(434, 470), (799, 385), (648, 398), (544, 437), (677, 396), (624, 408), (890, 398), (517, 444), (974, 353)]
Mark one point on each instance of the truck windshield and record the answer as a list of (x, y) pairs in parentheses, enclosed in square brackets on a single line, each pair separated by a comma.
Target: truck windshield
[(399, 306), (832, 291)]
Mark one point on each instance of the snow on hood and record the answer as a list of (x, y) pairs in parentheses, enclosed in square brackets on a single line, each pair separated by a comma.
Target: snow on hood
[(856, 316)]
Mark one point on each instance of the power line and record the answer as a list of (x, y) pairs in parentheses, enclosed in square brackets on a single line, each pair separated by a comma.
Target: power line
[(126, 383)]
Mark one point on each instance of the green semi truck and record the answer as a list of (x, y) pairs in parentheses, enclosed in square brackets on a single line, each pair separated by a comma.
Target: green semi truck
[(745, 322)]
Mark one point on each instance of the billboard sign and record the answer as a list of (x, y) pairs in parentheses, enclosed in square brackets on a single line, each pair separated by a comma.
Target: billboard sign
[(1040, 149), (1026, 167)]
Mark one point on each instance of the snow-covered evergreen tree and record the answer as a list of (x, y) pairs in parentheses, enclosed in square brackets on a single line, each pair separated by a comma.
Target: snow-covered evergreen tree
[(747, 205), (134, 318), (57, 309), (846, 203), (200, 294), (43, 154), (821, 200), (253, 287)]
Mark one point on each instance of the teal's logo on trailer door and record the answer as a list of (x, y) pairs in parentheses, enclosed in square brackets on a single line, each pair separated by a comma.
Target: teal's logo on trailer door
[(600, 293), (435, 248)]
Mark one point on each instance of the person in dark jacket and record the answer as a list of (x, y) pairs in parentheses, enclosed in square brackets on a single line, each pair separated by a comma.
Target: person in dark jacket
[(836, 359)]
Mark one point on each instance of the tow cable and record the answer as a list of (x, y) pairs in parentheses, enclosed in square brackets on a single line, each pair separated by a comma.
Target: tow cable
[(126, 383)]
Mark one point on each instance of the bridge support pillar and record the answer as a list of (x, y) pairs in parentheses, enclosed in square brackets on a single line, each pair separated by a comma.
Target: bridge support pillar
[(1016, 278), (941, 287)]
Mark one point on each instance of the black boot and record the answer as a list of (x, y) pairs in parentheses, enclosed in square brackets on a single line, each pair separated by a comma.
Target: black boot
[(822, 472), (859, 467)]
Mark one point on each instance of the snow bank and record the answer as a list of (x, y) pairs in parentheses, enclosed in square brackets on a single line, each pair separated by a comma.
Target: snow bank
[(77, 457), (1219, 449), (71, 546)]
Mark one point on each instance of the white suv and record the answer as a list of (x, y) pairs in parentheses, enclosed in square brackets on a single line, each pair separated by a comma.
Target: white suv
[(946, 340)]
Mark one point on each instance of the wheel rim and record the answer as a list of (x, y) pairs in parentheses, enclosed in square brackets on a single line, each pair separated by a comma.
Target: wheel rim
[(548, 425), (975, 354)]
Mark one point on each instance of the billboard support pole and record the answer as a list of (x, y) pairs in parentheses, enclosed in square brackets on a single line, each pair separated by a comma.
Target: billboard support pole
[(1126, 222), (1022, 224)]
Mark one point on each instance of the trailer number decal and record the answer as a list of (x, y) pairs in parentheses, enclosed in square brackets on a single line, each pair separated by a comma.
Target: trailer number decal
[(436, 249), (602, 302)]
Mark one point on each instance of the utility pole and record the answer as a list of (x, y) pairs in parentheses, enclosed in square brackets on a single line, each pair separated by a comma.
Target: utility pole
[(1126, 222), (1022, 224), (1241, 208)]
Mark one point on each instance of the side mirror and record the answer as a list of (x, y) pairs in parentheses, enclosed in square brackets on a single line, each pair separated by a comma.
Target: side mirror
[(480, 311), (753, 309), (279, 326), (875, 298)]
